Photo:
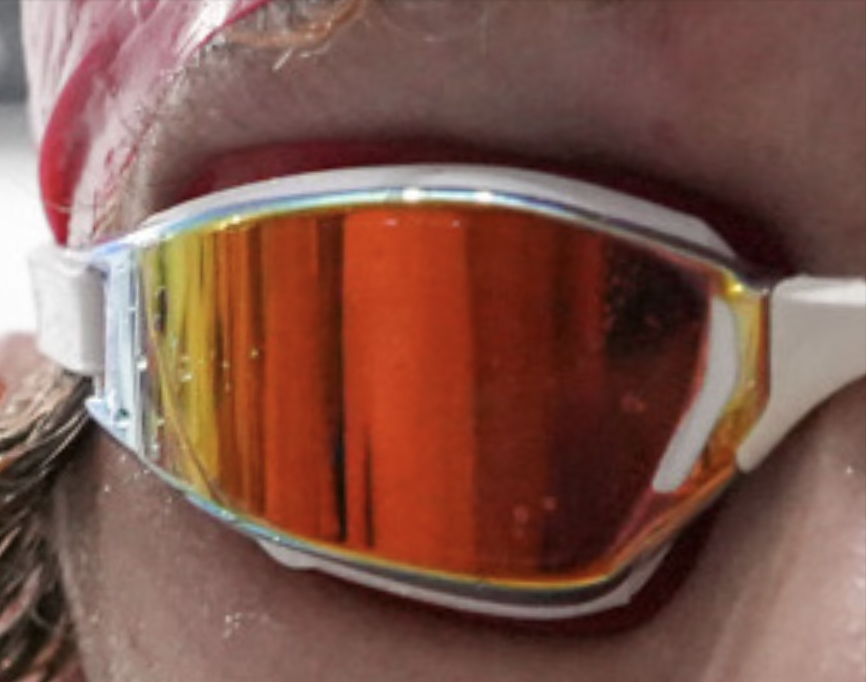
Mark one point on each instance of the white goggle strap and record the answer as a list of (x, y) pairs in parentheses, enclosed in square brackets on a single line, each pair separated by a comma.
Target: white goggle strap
[(70, 309), (817, 346)]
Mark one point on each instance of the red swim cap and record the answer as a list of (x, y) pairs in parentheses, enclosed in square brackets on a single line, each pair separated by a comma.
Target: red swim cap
[(97, 71)]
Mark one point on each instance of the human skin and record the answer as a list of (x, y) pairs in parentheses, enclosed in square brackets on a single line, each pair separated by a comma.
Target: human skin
[(759, 106)]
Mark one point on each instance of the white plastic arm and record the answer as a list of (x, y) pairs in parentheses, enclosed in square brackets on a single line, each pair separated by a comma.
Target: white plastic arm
[(69, 309), (817, 346)]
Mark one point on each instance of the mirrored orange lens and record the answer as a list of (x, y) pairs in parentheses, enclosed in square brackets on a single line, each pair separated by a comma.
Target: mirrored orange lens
[(478, 392)]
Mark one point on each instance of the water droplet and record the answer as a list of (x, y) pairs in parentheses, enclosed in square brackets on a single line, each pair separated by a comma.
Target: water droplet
[(520, 514), (121, 419), (549, 504), (184, 370), (412, 195), (608, 321), (631, 403), (231, 624)]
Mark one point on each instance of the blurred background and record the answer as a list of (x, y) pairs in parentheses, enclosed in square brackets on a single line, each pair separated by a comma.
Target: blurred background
[(11, 68), (22, 225)]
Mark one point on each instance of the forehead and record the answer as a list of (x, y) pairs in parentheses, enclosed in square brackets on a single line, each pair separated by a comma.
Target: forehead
[(99, 71)]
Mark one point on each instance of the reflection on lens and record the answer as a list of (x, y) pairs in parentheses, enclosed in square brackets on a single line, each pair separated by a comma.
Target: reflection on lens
[(475, 391)]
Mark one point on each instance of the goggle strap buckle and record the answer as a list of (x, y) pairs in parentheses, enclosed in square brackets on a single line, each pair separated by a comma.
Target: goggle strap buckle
[(70, 309)]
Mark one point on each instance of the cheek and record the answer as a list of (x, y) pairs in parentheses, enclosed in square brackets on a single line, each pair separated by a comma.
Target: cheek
[(157, 589), (161, 592), (785, 580)]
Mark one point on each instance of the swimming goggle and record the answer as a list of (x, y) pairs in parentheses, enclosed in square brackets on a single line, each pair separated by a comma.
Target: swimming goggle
[(493, 390)]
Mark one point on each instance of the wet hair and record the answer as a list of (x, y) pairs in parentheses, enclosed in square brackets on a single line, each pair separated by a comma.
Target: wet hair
[(38, 422)]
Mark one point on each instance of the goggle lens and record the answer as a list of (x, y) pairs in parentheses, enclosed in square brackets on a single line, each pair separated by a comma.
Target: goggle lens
[(478, 392)]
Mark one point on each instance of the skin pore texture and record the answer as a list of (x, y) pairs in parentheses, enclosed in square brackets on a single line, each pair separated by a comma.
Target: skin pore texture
[(758, 105)]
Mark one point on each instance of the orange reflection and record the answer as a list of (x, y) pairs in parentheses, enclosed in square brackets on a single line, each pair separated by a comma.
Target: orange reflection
[(476, 391)]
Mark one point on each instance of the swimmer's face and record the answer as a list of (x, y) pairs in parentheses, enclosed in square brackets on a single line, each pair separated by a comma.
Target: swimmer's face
[(756, 106)]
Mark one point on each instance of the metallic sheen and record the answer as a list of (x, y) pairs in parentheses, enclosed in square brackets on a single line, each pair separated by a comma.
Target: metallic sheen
[(470, 392)]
